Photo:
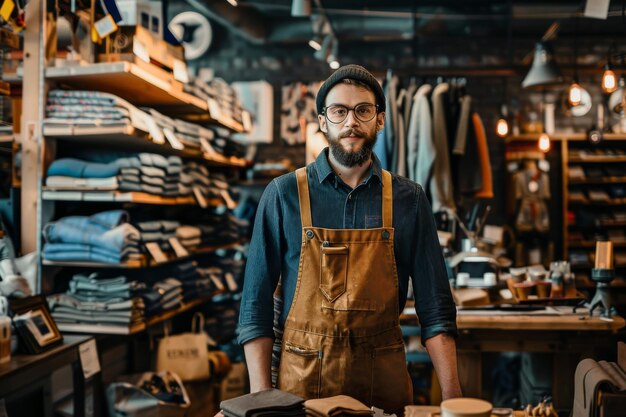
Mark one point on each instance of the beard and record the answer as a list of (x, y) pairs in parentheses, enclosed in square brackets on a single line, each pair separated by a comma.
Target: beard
[(348, 157)]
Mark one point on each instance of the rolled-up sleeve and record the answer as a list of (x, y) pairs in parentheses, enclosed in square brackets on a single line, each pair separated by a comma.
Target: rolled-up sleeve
[(262, 269), (434, 304)]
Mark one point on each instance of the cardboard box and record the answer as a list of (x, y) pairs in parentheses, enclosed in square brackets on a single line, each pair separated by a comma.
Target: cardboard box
[(235, 384)]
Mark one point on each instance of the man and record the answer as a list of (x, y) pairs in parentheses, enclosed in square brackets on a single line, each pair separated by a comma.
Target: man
[(344, 236)]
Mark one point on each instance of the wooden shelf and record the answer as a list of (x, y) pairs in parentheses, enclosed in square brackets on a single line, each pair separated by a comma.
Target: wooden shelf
[(51, 194), (597, 159), (9, 40), (142, 84), (143, 263), (127, 137), (95, 328), (592, 244), (614, 202), (607, 180), (571, 137)]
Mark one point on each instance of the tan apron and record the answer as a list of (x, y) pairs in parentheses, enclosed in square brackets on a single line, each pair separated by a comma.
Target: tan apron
[(342, 334)]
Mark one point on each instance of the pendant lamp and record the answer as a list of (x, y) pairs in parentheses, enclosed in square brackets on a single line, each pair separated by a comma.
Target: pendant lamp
[(543, 71)]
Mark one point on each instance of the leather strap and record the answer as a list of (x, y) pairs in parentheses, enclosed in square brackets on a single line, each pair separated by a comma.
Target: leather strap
[(303, 197), (387, 200)]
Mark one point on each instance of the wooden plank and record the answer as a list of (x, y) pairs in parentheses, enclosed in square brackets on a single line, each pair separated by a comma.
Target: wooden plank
[(565, 322)]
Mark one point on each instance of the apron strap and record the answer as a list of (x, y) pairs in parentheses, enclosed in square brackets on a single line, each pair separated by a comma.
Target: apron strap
[(303, 197), (387, 200)]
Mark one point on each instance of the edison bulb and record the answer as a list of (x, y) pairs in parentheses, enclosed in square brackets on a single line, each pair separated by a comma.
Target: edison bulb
[(609, 81), (544, 142), (575, 94), (502, 127)]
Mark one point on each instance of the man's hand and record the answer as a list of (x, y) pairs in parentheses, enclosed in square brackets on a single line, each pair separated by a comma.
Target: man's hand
[(259, 361), (442, 351), (219, 414)]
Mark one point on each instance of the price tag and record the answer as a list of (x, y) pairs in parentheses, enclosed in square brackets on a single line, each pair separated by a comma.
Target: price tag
[(155, 132), (106, 26), (172, 139), (247, 120), (88, 352), (180, 71), (156, 252), (141, 51), (230, 281), (230, 203), (7, 9), (214, 109), (178, 247), (206, 146), (200, 197), (217, 282)]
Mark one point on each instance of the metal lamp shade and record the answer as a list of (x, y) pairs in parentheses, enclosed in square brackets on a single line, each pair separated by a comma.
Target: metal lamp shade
[(543, 71)]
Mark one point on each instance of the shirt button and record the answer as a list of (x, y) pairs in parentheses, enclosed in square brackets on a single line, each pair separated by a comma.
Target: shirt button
[(349, 196), (385, 235), (309, 234)]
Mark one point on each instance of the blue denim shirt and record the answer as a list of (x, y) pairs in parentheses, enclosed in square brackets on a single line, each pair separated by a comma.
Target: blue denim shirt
[(277, 238)]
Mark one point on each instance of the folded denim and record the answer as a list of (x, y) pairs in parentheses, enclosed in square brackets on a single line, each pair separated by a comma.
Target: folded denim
[(69, 300), (85, 255), (271, 400), (130, 315), (59, 181), (82, 317), (81, 231), (71, 167), (101, 297), (104, 287), (130, 186)]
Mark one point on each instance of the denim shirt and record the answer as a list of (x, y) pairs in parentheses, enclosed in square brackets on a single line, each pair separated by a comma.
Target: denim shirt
[(277, 239)]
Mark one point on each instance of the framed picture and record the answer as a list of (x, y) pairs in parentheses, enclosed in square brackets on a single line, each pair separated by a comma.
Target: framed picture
[(34, 324)]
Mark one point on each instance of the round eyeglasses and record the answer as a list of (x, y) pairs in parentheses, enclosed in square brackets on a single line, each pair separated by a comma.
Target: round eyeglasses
[(337, 113)]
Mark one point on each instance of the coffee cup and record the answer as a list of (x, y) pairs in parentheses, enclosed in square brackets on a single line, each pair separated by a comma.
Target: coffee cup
[(5, 339), (462, 279), (465, 407), (524, 289), (490, 279), (543, 289)]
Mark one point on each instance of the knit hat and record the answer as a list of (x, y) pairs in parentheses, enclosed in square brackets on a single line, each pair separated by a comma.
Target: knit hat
[(355, 72)]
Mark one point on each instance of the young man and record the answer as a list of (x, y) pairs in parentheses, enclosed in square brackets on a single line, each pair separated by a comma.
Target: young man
[(344, 236)]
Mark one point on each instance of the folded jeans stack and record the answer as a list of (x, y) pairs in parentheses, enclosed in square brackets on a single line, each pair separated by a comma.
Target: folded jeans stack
[(94, 299), (189, 236), (102, 237), (71, 173), (337, 406), (171, 291), (158, 231), (271, 402), (151, 173), (87, 107)]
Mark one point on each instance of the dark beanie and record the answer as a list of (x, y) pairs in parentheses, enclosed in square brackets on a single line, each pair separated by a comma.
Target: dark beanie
[(355, 72)]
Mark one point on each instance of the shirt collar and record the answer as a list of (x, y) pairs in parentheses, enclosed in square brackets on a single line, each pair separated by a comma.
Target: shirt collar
[(325, 171)]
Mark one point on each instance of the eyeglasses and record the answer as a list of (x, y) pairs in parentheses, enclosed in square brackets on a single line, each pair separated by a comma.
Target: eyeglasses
[(337, 113)]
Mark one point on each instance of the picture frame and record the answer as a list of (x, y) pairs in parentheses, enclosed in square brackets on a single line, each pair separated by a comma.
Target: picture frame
[(34, 324)]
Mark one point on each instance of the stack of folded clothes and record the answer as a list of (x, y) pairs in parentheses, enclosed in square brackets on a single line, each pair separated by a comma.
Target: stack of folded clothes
[(337, 406), (102, 237), (209, 88), (94, 299), (189, 236), (171, 291), (70, 173), (87, 107), (194, 283), (271, 402), (151, 173), (158, 231)]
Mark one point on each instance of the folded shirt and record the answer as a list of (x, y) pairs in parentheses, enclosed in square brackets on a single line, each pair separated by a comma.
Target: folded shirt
[(60, 181), (339, 405), (271, 402)]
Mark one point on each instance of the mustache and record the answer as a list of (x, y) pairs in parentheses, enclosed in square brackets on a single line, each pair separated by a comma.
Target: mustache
[(351, 132)]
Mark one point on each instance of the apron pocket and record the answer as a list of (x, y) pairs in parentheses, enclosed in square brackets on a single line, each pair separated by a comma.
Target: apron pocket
[(334, 271), (301, 371), (391, 386)]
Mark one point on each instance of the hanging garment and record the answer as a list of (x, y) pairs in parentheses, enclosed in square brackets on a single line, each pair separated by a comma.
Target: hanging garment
[(483, 155), (347, 280), (441, 181), (391, 120), (468, 179), (421, 150)]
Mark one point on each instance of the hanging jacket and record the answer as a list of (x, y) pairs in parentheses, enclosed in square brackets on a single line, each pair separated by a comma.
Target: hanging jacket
[(421, 150), (441, 181)]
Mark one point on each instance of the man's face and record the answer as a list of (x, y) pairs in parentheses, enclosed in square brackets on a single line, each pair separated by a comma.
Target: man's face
[(351, 141)]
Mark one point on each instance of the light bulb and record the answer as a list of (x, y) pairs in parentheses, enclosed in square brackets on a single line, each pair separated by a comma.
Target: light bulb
[(334, 64), (575, 95), (502, 127), (544, 142), (609, 81)]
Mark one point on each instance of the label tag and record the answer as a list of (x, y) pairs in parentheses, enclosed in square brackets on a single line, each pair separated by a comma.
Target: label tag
[(155, 132), (180, 71), (178, 247), (156, 252), (215, 110), (230, 281), (141, 51), (218, 283), (597, 9), (200, 197), (206, 146), (230, 203), (88, 352), (106, 26), (7, 9), (172, 139), (247, 120)]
